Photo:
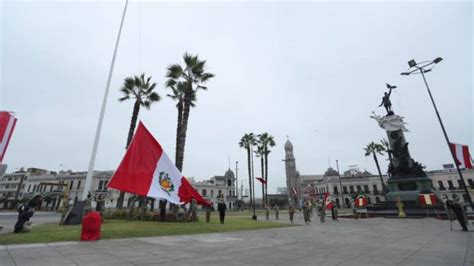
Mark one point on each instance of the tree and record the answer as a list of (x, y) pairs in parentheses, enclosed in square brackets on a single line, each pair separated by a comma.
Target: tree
[(247, 142), (374, 149), (259, 152), (266, 141), (386, 146), (141, 91), (184, 83)]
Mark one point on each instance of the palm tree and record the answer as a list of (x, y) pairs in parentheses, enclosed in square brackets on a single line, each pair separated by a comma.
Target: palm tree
[(386, 146), (374, 149), (185, 83), (141, 90), (247, 142), (259, 152), (266, 141)]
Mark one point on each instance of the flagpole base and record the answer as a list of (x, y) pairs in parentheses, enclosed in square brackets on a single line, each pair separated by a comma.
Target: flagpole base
[(254, 217), (75, 215)]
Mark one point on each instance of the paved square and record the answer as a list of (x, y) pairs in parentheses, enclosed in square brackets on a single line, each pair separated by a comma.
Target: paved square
[(375, 241)]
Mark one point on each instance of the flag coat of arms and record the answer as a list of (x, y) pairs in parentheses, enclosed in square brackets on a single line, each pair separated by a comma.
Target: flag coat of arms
[(427, 199), (146, 170), (7, 125), (461, 153), (361, 201), (327, 201)]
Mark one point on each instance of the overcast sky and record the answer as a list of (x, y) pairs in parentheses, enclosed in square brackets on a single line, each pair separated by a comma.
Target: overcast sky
[(312, 71)]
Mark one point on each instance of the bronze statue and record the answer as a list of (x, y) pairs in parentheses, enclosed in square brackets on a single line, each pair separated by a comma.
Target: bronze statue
[(386, 99)]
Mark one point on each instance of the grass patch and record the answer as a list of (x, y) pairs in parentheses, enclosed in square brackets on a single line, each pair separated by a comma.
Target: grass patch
[(113, 229)]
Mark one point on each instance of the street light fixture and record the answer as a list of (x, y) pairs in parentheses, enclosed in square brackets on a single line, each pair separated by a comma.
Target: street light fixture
[(422, 68)]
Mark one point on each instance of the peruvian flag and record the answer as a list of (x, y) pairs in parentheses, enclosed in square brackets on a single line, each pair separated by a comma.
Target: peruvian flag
[(361, 201), (261, 179), (461, 154), (327, 201), (146, 170), (7, 125), (427, 199)]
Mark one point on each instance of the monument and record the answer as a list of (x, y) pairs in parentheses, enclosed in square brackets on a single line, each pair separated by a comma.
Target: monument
[(407, 178)]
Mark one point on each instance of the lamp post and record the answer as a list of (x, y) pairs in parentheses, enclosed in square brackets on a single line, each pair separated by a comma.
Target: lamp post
[(422, 68), (340, 183)]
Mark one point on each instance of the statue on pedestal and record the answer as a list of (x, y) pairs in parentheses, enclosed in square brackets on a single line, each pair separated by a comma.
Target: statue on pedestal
[(386, 99)]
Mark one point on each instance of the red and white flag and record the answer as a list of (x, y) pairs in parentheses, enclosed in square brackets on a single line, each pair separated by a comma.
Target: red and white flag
[(327, 201), (427, 199), (146, 170), (7, 125), (461, 154)]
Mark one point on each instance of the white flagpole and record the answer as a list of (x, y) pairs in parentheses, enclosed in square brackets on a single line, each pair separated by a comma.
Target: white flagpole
[(90, 171)]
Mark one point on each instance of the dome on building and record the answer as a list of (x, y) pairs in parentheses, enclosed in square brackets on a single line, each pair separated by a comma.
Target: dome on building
[(331, 172), (288, 145), (229, 174)]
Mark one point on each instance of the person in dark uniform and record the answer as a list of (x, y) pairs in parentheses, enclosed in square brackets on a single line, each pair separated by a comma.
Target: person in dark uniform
[(458, 211), (221, 207), (23, 224)]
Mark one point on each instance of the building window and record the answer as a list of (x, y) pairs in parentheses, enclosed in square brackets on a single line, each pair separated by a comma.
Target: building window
[(70, 186), (366, 189), (375, 188), (441, 185), (460, 183), (212, 192), (471, 184), (78, 184), (230, 193), (229, 182), (351, 188), (29, 186), (335, 190), (50, 188), (220, 193), (359, 189), (450, 185), (344, 189), (204, 192)]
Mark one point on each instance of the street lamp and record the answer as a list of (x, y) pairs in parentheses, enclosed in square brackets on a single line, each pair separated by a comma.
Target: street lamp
[(340, 183), (422, 68)]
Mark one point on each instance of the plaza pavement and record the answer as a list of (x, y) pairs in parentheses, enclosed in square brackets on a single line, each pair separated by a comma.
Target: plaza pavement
[(376, 241)]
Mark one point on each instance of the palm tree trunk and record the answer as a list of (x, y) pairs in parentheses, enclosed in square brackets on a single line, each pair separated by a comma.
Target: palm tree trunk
[(178, 130), (250, 175), (378, 169), (266, 175), (182, 136), (133, 124), (263, 178)]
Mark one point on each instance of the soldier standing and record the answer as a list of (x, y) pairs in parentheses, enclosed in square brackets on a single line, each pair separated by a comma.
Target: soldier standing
[(277, 209), (100, 202), (208, 213), (322, 210), (221, 207), (291, 212), (267, 212), (334, 211), (306, 211)]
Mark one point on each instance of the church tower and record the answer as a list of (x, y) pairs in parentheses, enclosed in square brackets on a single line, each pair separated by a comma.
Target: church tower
[(292, 175)]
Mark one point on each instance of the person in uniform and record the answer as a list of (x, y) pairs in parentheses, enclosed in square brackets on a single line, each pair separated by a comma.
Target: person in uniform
[(334, 211), (322, 210), (208, 213), (277, 210), (221, 207), (306, 212), (459, 212), (100, 206), (131, 205), (291, 212), (267, 212)]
